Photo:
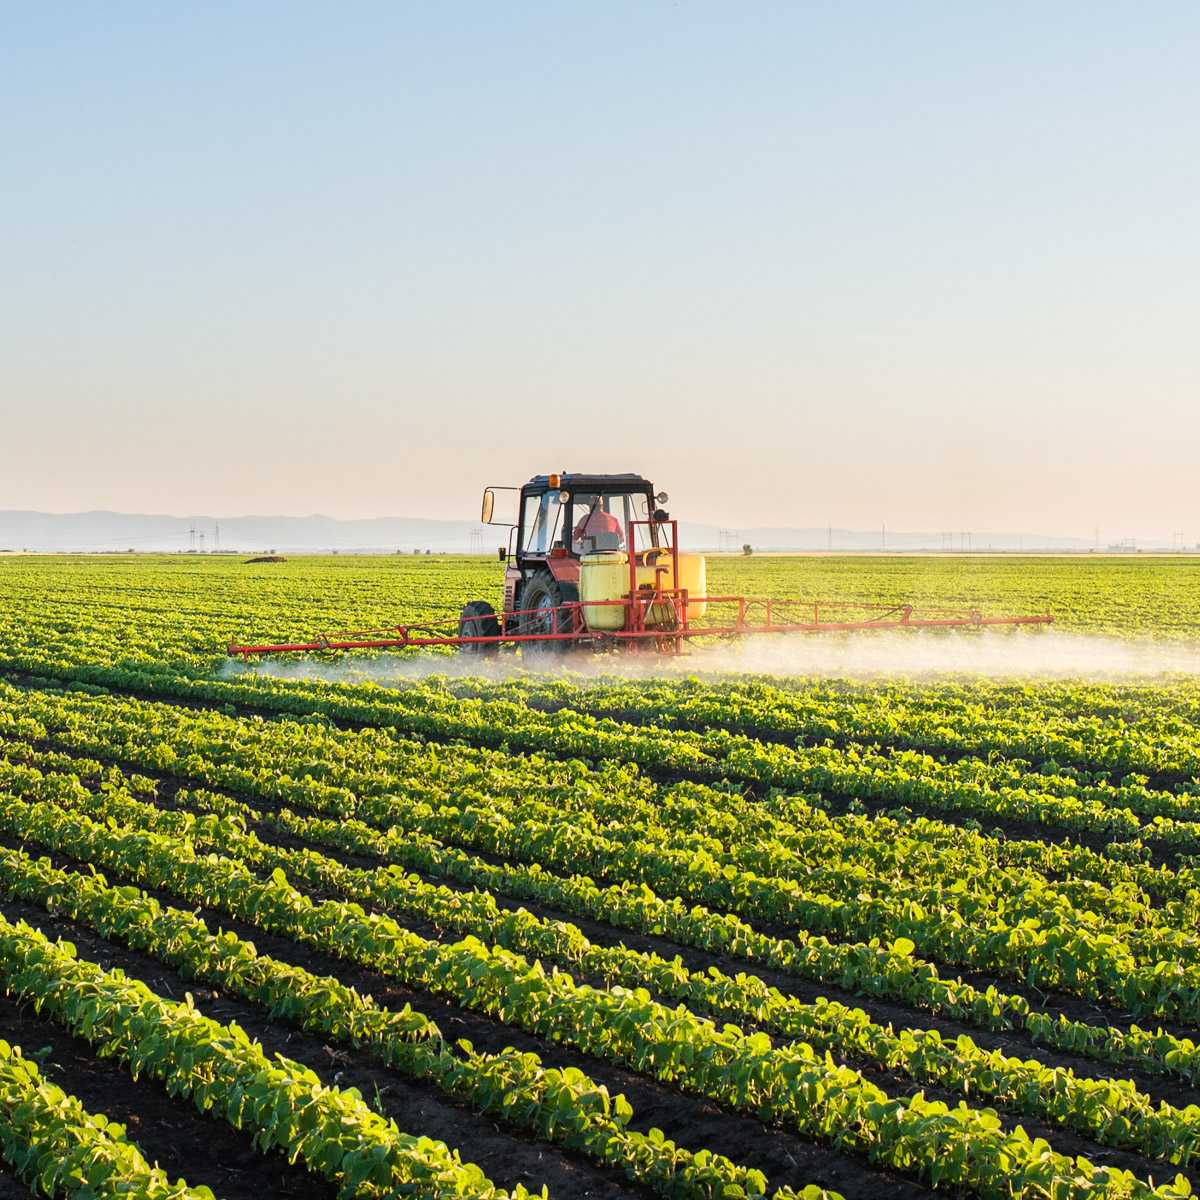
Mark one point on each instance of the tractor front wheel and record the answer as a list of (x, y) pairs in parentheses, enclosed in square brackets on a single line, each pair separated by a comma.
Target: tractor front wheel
[(544, 596), (478, 620)]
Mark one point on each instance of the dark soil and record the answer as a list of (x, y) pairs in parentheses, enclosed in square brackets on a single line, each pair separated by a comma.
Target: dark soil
[(11, 1188), (693, 1122), (170, 1132), (785, 1158), (898, 1084), (416, 1109)]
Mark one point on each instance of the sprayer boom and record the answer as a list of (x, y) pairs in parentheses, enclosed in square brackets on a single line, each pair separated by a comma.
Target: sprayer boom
[(594, 563), (748, 617)]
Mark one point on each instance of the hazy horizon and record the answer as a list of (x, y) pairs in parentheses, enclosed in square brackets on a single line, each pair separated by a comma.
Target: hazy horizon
[(927, 266), (200, 532)]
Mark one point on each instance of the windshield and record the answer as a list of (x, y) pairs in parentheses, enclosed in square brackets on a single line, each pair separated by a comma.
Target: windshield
[(599, 520)]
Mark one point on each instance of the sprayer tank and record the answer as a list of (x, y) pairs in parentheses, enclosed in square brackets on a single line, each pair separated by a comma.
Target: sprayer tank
[(604, 576), (692, 576)]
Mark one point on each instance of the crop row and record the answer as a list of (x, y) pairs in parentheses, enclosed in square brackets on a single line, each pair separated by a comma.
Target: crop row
[(59, 1148), (184, 610), (1111, 1112), (565, 1106), (959, 1146), (222, 1071), (1102, 1110), (1054, 724), (869, 968), (1033, 936), (892, 972), (968, 787), (887, 971), (779, 839)]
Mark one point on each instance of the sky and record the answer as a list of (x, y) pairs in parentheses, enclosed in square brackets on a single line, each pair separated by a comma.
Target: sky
[(934, 265)]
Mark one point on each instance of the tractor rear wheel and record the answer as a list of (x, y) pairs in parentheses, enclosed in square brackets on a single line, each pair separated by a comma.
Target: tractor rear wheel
[(544, 595), (478, 620)]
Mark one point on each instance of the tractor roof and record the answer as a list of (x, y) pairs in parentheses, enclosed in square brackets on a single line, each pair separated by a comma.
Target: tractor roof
[(593, 483)]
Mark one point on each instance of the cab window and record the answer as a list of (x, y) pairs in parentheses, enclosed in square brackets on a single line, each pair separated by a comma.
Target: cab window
[(541, 522), (599, 520)]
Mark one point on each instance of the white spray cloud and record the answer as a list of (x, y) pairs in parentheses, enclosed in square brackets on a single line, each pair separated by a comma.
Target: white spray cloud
[(993, 654)]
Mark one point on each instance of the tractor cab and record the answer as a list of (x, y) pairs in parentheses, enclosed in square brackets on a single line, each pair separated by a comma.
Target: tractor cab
[(567, 516), (561, 519)]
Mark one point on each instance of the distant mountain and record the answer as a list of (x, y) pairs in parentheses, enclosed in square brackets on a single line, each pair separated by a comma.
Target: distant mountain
[(100, 531)]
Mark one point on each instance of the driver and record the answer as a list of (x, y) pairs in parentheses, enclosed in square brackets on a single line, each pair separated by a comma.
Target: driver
[(596, 522)]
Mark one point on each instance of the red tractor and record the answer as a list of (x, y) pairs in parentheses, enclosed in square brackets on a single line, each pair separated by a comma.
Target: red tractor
[(566, 523)]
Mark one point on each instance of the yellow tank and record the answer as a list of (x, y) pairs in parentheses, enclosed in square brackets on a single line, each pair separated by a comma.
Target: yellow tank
[(692, 575), (604, 575)]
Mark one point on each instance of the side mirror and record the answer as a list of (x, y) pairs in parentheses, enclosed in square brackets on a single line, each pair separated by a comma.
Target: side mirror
[(500, 550), (489, 503)]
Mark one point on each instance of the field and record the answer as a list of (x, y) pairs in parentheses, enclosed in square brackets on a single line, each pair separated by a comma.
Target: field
[(393, 929)]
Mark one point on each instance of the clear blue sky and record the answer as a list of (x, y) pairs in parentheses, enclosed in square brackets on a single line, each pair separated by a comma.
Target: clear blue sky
[(934, 264)]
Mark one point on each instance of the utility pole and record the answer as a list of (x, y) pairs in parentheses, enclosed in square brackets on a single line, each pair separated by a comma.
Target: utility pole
[(883, 536), (216, 537), (200, 534), (829, 538), (192, 539)]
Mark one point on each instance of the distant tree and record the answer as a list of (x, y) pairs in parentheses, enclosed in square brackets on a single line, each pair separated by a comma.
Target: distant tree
[(747, 549)]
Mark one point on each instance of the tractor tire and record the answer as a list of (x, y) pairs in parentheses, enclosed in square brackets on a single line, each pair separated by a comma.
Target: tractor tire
[(479, 620), (544, 593)]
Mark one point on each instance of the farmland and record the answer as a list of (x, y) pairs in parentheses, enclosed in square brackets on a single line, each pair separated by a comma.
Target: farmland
[(676, 934)]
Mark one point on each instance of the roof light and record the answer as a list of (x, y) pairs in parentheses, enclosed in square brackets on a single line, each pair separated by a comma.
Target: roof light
[(554, 483)]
